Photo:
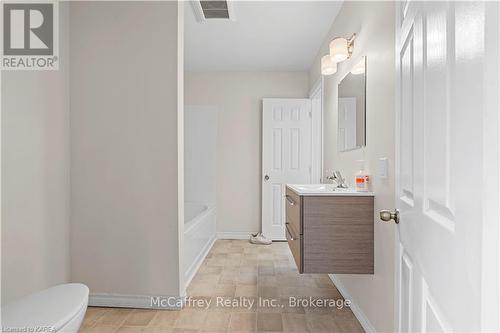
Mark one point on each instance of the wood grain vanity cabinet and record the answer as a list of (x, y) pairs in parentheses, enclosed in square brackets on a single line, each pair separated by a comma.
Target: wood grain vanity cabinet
[(330, 234)]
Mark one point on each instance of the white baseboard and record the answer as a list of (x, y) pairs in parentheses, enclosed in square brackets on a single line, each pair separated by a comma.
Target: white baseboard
[(234, 235), (360, 315), (199, 260), (136, 301)]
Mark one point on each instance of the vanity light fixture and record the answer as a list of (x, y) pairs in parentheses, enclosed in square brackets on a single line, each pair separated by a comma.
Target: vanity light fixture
[(359, 68), (328, 67), (341, 48)]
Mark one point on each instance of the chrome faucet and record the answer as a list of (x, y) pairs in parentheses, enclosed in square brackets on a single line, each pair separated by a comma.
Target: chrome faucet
[(337, 177)]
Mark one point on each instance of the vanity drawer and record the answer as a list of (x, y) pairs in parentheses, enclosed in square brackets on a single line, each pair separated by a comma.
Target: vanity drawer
[(293, 211), (295, 244)]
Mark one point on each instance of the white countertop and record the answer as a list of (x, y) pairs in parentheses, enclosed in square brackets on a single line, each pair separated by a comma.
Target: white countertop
[(326, 190)]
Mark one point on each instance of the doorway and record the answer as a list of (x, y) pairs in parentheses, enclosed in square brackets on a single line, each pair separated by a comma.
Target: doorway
[(291, 153)]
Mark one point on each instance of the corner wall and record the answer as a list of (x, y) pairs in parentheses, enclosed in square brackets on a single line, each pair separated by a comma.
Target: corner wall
[(125, 148), (35, 175), (374, 24)]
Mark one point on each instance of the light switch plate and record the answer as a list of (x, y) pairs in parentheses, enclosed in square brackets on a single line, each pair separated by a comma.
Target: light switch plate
[(383, 166)]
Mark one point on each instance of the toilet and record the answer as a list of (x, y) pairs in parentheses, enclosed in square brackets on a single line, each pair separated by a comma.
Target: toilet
[(57, 309)]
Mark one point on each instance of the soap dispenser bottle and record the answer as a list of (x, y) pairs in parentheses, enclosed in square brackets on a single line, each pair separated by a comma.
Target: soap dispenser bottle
[(362, 178)]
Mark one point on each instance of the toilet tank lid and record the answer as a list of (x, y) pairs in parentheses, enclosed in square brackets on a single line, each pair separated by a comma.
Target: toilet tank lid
[(51, 308)]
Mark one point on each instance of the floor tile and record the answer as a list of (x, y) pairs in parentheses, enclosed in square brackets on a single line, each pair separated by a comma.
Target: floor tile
[(130, 329), (158, 329), (217, 321), (246, 291), (164, 318), (190, 319), (225, 290), (294, 322), (243, 322), (269, 322), (183, 330), (247, 279), (268, 281), (206, 278), (228, 277), (139, 318), (92, 315), (268, 292), (99, 328), (114, 317), (321, 323)]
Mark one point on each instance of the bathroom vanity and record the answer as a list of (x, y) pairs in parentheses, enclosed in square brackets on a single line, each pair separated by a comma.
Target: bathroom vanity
[(330, 230)]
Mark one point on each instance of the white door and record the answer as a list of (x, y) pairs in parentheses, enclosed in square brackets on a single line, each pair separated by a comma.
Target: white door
[(286, 157), (446, 141), (347, 123)]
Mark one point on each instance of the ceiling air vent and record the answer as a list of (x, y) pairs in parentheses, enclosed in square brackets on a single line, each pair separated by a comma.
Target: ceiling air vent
[(206, 10)]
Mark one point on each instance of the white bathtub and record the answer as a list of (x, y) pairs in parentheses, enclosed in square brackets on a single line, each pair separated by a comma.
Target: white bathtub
[(199, 235)]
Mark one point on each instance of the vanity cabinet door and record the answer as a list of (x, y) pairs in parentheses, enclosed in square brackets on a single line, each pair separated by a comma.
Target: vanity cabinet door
[(338, 235), (295, 244), (293, 211), (293, 226)]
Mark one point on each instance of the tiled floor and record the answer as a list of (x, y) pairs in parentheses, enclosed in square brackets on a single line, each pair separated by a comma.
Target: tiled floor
[(234, 274)]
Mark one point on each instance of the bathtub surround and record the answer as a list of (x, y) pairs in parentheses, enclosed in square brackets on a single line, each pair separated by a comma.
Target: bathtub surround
[(125, 239), (373, 22), (238, 98), (35, 176), (200, 155)]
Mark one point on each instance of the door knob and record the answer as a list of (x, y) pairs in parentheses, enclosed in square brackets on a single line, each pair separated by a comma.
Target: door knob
[(266, 178), (386, 215)]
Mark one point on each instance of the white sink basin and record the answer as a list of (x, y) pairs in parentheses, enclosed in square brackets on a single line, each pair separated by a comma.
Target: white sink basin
[(324, 189), (315, 187)]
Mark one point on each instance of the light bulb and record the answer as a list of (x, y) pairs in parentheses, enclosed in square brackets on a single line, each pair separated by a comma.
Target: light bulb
[(339, 49), (328, 67)]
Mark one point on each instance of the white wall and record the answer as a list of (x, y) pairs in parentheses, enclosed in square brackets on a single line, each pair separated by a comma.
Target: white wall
[(124, 147), (200, 154), (374, 24), (238, 98), (35, 176)]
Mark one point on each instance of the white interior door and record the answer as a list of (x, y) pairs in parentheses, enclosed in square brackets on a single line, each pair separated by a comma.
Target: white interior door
[(347, 123), (286, 157), (447, 88)]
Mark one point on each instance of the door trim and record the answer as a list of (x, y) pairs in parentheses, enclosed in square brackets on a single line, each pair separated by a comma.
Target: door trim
[(317, 132), (397, 83), (491, 158)]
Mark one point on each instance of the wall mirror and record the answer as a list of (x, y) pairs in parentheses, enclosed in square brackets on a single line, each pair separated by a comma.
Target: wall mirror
[(352, 108)]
